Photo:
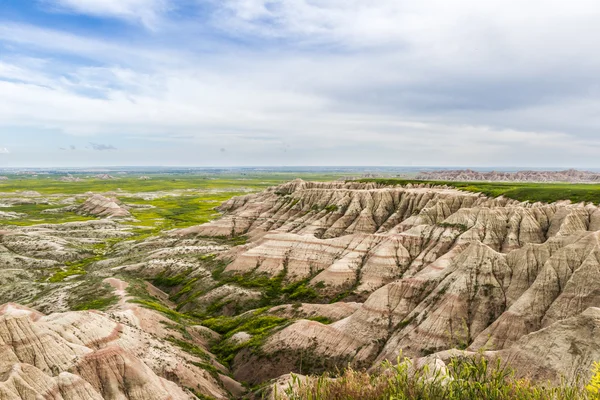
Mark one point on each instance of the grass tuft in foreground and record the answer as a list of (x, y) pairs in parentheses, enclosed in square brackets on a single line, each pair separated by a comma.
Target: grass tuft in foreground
[(466, 379)]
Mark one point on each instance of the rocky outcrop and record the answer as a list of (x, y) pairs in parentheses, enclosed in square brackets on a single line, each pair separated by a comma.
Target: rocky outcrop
[(11, 215), (439, 269), (89, 355), (70, 178), (100, 206), (570, 175), (37, 361)]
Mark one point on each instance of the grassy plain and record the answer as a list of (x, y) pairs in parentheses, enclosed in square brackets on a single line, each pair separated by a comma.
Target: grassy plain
[(179, 200), (48, 185)]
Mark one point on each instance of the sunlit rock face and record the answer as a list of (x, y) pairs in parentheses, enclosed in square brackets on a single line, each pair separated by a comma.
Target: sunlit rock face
[(92, 355)]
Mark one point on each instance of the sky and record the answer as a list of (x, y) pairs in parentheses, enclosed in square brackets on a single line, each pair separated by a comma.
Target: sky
[(300, 82)]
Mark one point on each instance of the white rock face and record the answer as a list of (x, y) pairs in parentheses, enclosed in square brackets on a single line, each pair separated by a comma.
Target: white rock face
[(11, 215)]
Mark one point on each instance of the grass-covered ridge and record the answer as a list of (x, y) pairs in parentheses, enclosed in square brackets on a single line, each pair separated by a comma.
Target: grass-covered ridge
[(532, 192)]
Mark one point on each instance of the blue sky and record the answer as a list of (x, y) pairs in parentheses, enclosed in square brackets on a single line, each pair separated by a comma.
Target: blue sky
[(299, 82)]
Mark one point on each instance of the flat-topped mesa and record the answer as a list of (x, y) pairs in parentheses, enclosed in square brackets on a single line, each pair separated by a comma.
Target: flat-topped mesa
[(100, 206)]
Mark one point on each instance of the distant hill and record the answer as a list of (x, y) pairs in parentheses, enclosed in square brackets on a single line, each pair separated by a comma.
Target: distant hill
[(570, 175)]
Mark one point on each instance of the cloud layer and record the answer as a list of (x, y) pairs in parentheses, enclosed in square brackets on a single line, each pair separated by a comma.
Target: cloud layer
[(324, 82)]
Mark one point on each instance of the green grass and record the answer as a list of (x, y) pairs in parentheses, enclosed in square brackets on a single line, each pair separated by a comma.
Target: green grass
[(96, 304), (36, 216), (92, 294), (193, 202), (60, 276), (74, 268), (161, 308), (189, 348), (472, 378), (256, 323), (48, 185), (274, 290), (321, 319), (178, 211), (532, 192)]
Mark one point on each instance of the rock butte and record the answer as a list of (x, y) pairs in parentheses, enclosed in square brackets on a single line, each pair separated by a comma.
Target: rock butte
[(100, 206)]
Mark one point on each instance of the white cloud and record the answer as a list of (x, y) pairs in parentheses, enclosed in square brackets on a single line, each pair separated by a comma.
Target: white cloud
[(353, 81), (147, 12), (102, 147), (4, 150)]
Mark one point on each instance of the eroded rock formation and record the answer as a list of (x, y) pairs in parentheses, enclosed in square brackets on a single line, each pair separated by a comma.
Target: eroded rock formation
[(100, 206), (570, 175), (438, 268)]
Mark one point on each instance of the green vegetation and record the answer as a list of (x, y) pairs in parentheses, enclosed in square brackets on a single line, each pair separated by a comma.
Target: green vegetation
[(255, 323), (137, 289), (157, 306), (35, 215), (177, 211), (74, 268), (92, 295), (274, 289), (200, 395), (96, 304), (323, 320), (467, 379), (191, 202), (216, 183), (189, 348), (594, 386), (532, 192), (71, 270), (460, 227), (330, 208)]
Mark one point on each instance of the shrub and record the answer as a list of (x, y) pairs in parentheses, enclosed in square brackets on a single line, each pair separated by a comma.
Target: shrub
[(593, 388), (466, 378)]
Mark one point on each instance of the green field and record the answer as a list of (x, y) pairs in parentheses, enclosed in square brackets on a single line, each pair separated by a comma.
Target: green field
[(532, 192), (181, 201), (49, 184)]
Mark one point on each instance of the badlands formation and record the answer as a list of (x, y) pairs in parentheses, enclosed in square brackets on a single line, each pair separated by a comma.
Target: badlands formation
[(570, 175), (434, 268), (337, 273), (97, 206)]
